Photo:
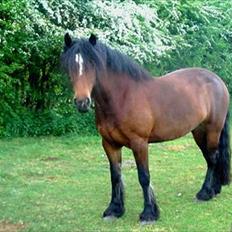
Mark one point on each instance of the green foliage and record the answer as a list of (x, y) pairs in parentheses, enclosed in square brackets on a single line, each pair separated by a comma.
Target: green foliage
[(206, 28), (36, 98)]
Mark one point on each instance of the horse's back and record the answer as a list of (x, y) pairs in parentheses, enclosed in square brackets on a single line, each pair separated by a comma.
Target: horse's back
[(202, 82), (195, 76), (184, 99)]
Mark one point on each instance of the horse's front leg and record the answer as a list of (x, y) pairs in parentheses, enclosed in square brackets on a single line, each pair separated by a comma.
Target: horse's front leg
[(116, 206), (151, 210)]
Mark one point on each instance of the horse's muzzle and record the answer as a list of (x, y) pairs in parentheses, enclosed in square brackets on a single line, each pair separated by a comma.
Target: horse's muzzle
[(83, 105)]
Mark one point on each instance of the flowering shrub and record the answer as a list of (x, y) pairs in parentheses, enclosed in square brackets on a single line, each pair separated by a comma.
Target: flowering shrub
[(36, 98)]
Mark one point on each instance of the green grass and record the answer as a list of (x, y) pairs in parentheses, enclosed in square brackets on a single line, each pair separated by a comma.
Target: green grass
[(62, 184)]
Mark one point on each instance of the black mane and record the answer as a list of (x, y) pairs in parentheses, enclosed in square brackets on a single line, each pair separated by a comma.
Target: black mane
[(102, 58)]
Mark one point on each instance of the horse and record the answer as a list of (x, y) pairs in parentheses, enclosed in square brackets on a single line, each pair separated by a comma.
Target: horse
[(133, 109)]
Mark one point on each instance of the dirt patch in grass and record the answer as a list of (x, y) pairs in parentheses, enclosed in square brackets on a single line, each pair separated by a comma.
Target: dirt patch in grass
[(128, 164), (6, 226), (50, 158), (176, 147)]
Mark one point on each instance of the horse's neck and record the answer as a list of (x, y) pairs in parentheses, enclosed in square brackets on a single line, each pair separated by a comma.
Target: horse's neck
[(109, 90)]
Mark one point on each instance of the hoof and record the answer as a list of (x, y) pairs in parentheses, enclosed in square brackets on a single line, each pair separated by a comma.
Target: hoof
[(109, 218), (217, 189), (114, 211), (199, 201), (144, 223), (147, 219), (149, 215), (205, 195)]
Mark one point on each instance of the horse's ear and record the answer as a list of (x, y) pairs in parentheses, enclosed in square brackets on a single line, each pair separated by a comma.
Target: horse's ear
[(93, 39), (67, 40)]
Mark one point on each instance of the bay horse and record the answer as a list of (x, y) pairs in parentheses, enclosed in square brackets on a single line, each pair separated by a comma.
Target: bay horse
[(133, 109)]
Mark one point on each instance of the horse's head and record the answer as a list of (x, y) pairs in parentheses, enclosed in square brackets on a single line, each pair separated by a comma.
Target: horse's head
[(78, 60)]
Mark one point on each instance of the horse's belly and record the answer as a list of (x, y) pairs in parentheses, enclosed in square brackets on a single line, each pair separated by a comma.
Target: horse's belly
[(165, 135), (165, 129)]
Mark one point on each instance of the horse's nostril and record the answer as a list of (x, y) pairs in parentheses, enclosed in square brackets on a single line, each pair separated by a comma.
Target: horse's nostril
[(83, 104), (87, 101), (75, 101)]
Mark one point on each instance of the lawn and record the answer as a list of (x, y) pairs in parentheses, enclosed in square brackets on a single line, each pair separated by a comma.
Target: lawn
[(61, 184)]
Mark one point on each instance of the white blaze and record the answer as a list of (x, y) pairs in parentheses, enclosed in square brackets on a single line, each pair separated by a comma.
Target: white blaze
[(80, 62)]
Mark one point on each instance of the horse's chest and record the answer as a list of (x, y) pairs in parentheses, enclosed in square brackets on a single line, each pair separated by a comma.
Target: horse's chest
[(111, 132)]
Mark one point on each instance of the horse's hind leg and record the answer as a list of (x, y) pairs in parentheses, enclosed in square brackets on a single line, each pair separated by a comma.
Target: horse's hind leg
[(208, 143)]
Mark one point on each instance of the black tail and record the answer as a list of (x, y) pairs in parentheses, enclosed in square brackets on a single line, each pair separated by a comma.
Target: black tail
[(224, 159)]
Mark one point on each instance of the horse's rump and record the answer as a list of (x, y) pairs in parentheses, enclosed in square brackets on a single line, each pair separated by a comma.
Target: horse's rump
[(184, 99)]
